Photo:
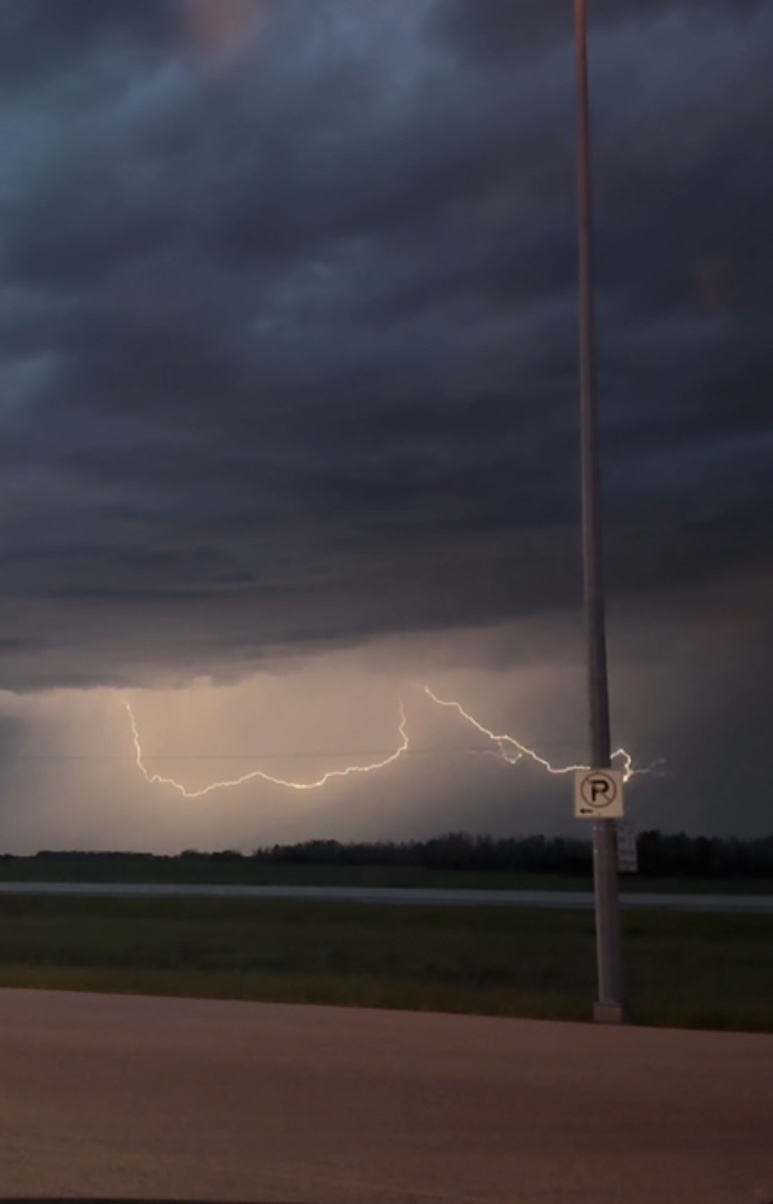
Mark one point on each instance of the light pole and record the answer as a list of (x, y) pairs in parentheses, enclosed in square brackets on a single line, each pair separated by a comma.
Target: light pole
[(610, 1006)]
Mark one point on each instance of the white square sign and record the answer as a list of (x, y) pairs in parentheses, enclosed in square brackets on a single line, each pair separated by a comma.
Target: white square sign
[(598, 794), (627, 848)]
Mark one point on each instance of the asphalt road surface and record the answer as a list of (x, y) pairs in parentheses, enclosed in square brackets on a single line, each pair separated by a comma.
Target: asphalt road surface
[(553, 899), (159, 1099)]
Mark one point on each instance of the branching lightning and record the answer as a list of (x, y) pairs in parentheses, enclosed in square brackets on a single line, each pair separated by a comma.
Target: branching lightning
[(513, 751), (259, 775), (507, 747)]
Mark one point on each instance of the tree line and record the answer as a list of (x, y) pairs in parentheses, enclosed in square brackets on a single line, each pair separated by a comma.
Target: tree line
[(660, 856)]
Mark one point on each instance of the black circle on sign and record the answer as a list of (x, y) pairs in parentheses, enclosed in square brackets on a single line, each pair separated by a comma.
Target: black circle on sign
[(609, 799)]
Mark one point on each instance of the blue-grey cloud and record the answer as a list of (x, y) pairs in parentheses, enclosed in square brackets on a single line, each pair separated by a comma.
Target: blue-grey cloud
[(288, 354)]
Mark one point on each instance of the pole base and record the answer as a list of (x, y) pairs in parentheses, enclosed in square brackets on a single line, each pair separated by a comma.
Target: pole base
[(610, 1013)]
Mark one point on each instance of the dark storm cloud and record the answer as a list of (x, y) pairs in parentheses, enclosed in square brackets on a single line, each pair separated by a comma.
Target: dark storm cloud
[(41, 34), (289, 355)]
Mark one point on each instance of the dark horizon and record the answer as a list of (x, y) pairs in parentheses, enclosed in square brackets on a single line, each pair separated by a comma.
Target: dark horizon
[(659, 855)]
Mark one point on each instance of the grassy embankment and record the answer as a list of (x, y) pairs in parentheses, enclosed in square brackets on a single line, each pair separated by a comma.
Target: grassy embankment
[(682, 970)]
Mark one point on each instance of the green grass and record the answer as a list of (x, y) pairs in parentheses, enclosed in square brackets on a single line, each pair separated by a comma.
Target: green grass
[(682, 970), (245, 872)]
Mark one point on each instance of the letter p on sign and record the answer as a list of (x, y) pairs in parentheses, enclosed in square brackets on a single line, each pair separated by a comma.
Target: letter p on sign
[(598, 794)]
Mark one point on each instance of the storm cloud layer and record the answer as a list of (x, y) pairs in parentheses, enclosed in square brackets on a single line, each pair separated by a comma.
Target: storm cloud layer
[(289, 353), (288, 347)]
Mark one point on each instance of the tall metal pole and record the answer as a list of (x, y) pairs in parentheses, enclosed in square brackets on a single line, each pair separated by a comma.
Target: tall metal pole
[(610, 1007)]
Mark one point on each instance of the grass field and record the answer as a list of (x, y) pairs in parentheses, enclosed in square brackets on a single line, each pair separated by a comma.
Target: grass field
[(262, 874), (705, 971)]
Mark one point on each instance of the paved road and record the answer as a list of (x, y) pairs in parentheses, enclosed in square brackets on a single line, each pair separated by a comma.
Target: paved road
[(555, 899), (110, 1096)]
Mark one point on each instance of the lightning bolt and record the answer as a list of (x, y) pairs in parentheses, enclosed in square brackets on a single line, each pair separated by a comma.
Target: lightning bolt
[(258, 774), (513, 751)]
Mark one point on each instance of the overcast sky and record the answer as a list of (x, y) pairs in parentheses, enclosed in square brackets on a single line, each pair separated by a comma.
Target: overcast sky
[(288, 334)]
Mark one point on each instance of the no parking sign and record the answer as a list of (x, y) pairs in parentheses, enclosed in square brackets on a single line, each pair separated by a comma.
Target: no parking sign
[(598, 794)]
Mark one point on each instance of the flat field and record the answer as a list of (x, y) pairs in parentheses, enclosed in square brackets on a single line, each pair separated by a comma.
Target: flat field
[(237, 872), (703, 971)]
